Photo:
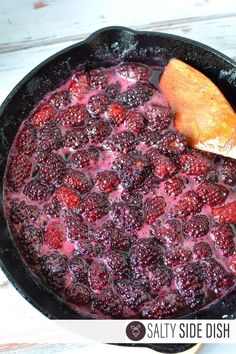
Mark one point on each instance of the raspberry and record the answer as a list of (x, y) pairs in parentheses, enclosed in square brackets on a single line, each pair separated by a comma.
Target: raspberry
[(163, 167), (78, 294), (50, 137), (195, 227), (54, 267), (76, 230), (134, 122), (202, 251), (97, 104), (212, 194), (74, 116), (148, 137), (52, 209), (145, 252), (116, 113), (134, 71), (35, 190), (52, 170), (177, 256), (60, 100), (226, 213), (160, 277), (167, 305), (23, 213), (18, 171), (158, 117), (88, 249), (54, 234), (79, 268), (98, 78), (98, 276), (113, 90), (75, 138), (98, 130), (94, 206), (30, 240), (122, 142), (169, 233), (85, 158), (189, 203), (26, 140), (232, 264), (78, 180), (216, 278), (194, 163), (172, 143), (107, 181), (223, 235), (189, 282), (108, 302), (134, 172), (111, 237), (67, 197), (126, 216), (136, 95), (42, 115), (117, 264), (80, 85), (132, 296), (174, 186), (228, 171), (153, 208)]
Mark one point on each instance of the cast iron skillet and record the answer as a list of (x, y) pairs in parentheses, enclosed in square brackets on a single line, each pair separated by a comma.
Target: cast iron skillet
[(105, 47)]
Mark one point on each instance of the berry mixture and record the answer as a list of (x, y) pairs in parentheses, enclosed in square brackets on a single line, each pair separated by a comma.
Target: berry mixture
[(112, 209)]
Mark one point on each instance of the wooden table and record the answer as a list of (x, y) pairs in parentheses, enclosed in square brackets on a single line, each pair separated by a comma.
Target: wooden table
[(31, 31)]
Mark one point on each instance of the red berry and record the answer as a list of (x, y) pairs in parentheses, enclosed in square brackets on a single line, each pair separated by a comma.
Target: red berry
[(79, 85), (216, 278), (162, 166), (132, 296), (35, 190), (107, 181), (52, 169), (98, 78), (145, 252), (78, 180), (126, 216), (75, 229), (50, 137), (177, 256), (18, 171), (223, 235), (196, 226), (167, 305), (97, 104), (60, 99), (78, 294), (42, 115), (226, 213), (212, 194), (75, 138), (108, 302), (67, 197), (172, 143), (153, 208), (136, 95), (74, 116), (98, 130), (134, 121), (54, 234), (194, 163), (202, 251), (189, 203), (174, 186), (26, 140), (158, 117), (122, 142), (85, 158), (94, 206), (98, 276), (133, 71), (168, 233), (116, 113)]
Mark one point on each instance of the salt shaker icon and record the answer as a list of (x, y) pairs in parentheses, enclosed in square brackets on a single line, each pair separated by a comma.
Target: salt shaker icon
[(135, 330)]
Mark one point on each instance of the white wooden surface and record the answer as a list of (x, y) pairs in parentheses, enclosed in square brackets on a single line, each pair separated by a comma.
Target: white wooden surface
[(31, 31)]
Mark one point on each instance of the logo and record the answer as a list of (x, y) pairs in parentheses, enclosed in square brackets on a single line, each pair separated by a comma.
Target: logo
[(135, 331)]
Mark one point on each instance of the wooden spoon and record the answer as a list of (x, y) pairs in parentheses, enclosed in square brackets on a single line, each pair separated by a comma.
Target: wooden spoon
[(203, 114)]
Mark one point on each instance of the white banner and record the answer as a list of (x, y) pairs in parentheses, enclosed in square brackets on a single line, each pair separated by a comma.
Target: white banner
[(120, 331)]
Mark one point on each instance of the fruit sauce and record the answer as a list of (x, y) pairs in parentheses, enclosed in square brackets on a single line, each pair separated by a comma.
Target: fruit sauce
[(111, 209)]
